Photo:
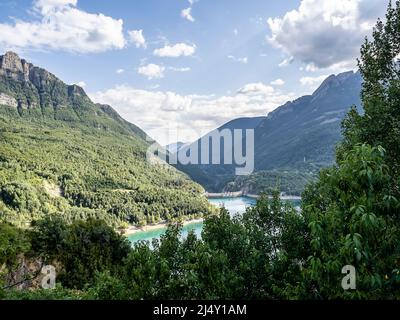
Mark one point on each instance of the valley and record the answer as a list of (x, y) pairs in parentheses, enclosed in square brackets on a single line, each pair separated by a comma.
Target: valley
[(85, 161), (279, 179), (93, 160)]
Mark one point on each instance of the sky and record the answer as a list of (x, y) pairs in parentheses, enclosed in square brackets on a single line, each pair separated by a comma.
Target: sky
[(180, 68)]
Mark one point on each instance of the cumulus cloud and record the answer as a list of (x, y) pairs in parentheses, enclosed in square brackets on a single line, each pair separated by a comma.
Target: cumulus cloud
[(119, 71), (177, 50), (187, 14), (312, 82), (137, 37), (255, 89), (324, 33), (187, 117), (152, 71), (243, 60), (60, 25), (278, 82)]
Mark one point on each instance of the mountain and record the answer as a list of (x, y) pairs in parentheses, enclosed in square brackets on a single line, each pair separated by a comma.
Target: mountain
[(291, 143), (214, 177), (33, 92), (242, 123), (62, 154), (306, 130)]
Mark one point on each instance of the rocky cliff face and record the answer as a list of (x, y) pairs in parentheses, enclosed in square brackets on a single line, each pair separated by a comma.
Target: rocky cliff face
[(7, 100), (13, 67), (36, 93), (32, 87)]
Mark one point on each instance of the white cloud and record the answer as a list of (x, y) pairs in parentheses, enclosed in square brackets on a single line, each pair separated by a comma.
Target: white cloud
[(313, 82), (256, 89), (60, 25), (120, 71), (235, 32), (323, 33), (152, 71), (177, 50), (46, 6), (243, 60), (82, 84), (137, 37), (189, 116), (187, 14), (278, 82)]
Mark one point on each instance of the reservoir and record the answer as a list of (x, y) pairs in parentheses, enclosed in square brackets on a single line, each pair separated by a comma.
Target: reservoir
[(233, 205)]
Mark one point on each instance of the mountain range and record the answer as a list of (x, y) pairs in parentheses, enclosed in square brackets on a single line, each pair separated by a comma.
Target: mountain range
[(63, 154), (291, 143)]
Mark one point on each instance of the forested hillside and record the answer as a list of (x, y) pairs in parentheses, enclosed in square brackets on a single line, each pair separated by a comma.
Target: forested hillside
[(62, 154)]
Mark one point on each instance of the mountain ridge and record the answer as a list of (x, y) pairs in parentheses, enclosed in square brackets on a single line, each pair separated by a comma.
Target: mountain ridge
[(35, 91), (298, 137)]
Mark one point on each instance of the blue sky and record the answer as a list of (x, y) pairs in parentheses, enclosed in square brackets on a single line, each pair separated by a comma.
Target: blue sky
[(179, 68)]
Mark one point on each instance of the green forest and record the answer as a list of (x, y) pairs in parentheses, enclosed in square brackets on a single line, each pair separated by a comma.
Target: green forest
[(350, 215), (48, 168)]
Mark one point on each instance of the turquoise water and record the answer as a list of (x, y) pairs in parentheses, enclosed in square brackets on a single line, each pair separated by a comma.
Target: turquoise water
[(150, 235), (233, 205)]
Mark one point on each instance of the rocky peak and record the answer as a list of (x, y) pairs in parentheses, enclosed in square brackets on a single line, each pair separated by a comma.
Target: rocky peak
[(14, 67), (75, 90), (11, 61), (335, 81)]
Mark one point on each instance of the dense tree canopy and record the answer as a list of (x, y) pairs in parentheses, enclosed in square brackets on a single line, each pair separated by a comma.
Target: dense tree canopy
[(76, 172)]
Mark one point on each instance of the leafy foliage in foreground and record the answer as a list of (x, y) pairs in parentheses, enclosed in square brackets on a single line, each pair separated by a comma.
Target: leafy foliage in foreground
[(354, 208), (239, 257), (354, 220), (271, 252)]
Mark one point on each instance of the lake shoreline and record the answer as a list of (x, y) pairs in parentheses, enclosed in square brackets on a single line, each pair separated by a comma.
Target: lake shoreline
[(155, 226), (131, 230), (240, 194)]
